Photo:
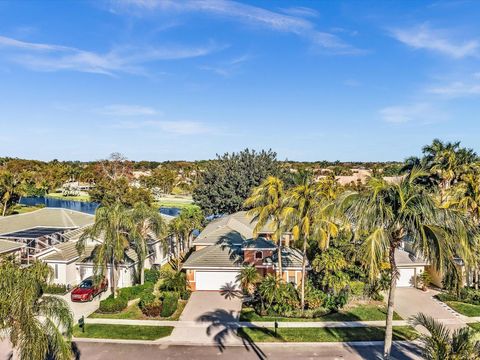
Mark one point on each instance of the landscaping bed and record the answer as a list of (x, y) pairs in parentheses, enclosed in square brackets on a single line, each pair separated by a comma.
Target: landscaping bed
[(131, 332), (360, 312), (133, 312), (466, 303), (406, 333)]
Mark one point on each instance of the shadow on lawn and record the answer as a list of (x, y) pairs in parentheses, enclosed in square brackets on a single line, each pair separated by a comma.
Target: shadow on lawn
[(225, 324)]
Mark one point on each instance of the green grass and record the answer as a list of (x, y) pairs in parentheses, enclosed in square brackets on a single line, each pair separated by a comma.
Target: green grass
[(474, 326), (464, 308), (326, 334), (369, 312), (132, 332), (23, 209), (133, 312), (75, 198)]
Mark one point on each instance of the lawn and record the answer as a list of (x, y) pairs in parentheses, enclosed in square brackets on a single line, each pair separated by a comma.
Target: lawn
[(132, 332), (474, 326), (23, 209), (464, 308), (85, 197), (326, 334), (133, 312), (369, 312)]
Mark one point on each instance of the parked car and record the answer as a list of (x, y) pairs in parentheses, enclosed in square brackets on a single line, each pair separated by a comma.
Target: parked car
[(87, 289)]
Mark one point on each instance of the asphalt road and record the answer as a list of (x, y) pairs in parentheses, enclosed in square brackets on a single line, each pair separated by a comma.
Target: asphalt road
[(104, 351)]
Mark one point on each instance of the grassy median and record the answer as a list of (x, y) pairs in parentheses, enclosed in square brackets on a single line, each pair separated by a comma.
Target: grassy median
[(326, 334), (131, 332), (368, 312)]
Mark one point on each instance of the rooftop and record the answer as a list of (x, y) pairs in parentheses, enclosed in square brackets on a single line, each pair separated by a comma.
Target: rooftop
[(7, 246)]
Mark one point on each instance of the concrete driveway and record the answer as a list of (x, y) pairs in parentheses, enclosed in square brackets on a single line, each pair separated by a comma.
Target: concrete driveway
[(80, 309), (212, 313), (411, 301)]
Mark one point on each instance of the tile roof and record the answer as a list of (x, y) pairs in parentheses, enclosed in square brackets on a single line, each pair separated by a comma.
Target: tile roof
[(47, 217), (215, 256), (7, 246), (258, 243), (234, 226), (291, 258), (404, 258)]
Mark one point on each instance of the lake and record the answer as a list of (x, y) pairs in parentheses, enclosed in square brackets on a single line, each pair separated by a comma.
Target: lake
[(82, 206)]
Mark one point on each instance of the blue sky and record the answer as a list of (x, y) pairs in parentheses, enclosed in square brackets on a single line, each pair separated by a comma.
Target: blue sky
[(170, 80)]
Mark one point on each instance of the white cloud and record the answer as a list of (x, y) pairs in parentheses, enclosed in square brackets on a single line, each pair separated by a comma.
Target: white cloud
[(457, 89), (300, 11), (419, 112), (253, 15), (51, 57), (423, 37), (127, 110), (181, 127)]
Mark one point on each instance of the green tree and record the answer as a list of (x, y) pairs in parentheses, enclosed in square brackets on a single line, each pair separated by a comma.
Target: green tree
[(114, 226), (10, 190), (149, 223), (441, 344), (266, 205), (386, 214), (228, 181), (331, 265), (38, 326), (248, 277)]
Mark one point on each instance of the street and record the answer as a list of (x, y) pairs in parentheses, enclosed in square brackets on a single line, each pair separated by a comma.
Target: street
[(104, 351)]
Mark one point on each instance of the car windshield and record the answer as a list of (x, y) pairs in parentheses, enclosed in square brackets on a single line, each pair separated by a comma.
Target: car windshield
[(86, 284)]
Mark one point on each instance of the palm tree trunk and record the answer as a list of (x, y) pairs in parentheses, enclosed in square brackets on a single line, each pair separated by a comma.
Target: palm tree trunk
[(4, 208), (177, 245), (113, 285), (304, 265), (280, 266), (390, 306), (475, 277)]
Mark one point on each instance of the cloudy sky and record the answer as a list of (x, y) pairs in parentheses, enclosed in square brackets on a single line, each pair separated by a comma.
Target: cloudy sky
[(160, 80)]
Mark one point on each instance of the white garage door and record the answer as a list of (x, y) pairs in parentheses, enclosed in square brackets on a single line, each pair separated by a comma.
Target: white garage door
[(406, 277), (215, 280)]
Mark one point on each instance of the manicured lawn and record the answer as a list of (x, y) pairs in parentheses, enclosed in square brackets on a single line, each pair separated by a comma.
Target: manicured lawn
[(464, 308), (134, 313), (326, 334), (22, 209), (357, 313), (133, 332), (475, 326), (75, 198)]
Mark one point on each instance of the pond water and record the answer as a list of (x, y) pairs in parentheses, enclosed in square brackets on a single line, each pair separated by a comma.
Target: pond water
[(82, 206)]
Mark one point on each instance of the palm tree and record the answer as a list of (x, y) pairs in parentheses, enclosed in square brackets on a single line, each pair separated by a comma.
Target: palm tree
[(267, 203), (441, 344), (10, 187), (114, 226), (38, 326), (309, 214), (386, 215), (248, 278), (148, 222)]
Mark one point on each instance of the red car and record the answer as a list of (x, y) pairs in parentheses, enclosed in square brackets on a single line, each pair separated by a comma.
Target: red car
[(87, 290)]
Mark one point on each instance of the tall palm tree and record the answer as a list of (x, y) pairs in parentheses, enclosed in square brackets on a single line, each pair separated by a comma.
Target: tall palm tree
[(441, 344), (266, 204), (114, 226), (38, 326), (385, 215), (148, 223)]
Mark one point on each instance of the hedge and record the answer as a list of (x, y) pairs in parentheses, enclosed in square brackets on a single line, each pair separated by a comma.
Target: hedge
[(113, 305), (136, 291), (151, 275), (169, 303), (55, 289)]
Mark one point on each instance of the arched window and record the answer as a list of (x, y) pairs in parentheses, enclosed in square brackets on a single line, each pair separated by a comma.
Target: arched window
[(258, 255)]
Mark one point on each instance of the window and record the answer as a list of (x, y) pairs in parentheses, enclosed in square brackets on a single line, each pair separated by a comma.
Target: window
[(258, 255), (291, 279)]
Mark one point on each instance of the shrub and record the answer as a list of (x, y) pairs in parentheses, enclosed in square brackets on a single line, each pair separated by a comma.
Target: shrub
[(170, 303), (152, 275), (173, 281), (150, 305), (55, 289), (185, 295), (357, 288), (336, 302), (111, 305), (134, 292), (314, 298)]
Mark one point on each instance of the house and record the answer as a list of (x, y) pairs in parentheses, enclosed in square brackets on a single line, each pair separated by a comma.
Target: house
[(410, 267), (227, 244), (11, 248), (51, 234)]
